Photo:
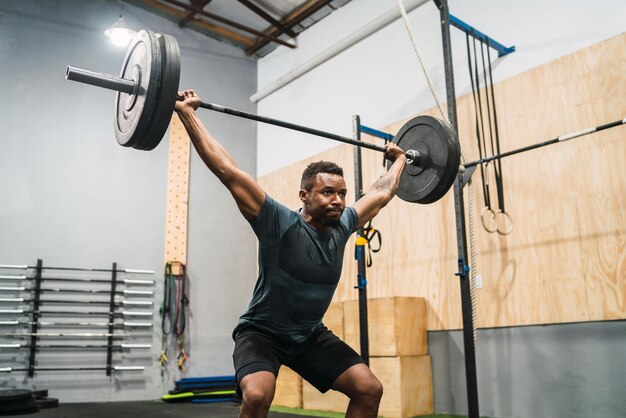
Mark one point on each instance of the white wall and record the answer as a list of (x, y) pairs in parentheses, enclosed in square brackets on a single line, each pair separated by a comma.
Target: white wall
[(74, 197), (380, 79)]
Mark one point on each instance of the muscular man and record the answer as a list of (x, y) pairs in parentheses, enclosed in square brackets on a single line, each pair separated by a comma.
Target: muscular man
[(300, 260)]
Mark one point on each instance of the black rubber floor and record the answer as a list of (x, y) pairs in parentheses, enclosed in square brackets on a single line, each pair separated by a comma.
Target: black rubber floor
[(145, 409)]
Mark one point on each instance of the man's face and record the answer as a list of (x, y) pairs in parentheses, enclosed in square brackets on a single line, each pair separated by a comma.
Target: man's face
[(327, 198)]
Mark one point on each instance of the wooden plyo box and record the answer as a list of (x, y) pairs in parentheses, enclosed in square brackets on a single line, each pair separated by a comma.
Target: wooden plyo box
[(407, 385), (333, 319), (396, 326), (407, 388), (289, 385), (331, 401), (288, 389)]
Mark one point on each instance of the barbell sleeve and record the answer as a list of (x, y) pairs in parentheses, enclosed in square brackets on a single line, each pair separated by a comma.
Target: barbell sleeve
[(107, 81)]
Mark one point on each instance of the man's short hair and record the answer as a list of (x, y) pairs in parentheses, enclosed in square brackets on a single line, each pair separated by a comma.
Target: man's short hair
[(309, 173)]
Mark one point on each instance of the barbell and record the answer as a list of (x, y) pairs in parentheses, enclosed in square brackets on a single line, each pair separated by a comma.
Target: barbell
[(147, 92)]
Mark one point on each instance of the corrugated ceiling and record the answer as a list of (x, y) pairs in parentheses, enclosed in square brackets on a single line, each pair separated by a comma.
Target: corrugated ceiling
[(256, 26)]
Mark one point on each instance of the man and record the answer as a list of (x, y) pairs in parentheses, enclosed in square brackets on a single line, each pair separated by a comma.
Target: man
[(300, 260)]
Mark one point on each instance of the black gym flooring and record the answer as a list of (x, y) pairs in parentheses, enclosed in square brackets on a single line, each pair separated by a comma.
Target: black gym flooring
[(145, 409)]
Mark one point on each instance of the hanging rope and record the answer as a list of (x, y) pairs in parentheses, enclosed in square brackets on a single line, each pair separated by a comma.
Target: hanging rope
[(472, 240), (431, 86)]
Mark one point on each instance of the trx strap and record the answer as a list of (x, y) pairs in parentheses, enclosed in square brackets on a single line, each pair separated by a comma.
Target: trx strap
[(173, 311), (369, 234), (492, 221), (481, 151)]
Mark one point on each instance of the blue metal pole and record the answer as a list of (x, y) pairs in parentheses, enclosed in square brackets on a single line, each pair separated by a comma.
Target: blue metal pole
[(375, 132), (502, 50)]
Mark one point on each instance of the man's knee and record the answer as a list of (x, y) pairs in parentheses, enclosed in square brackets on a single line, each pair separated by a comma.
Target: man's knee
[(258, 390), (366, 389), (370, 389), (258, 397)]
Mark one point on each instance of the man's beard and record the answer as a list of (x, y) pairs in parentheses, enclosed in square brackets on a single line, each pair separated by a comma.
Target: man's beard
[(333, 221)]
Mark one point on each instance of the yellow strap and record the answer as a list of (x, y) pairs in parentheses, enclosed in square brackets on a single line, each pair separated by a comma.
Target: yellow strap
[(370, 231), (361, 241)]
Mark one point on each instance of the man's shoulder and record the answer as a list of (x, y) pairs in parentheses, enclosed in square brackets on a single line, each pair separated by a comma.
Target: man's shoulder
[(276, 205), (274, 212)]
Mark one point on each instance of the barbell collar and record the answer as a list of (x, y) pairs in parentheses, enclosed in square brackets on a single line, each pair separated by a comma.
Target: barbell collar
[(107, 81), (413, 157)]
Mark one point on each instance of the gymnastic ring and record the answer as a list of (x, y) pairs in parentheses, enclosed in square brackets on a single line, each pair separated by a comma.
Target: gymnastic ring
[(504, 223), (485, 213)]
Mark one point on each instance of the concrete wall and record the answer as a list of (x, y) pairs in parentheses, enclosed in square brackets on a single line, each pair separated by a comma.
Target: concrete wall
[(73, 197), (572, 370)]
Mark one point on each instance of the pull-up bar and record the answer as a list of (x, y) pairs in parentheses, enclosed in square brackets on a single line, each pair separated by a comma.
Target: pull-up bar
[(502, 50)]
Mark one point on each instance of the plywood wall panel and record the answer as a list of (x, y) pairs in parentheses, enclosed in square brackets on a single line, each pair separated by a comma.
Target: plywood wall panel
[(565, 260)]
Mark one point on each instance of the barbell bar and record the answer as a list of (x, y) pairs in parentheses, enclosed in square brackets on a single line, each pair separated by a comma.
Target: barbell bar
[(74, 279), (147, 91), (71, 335), (26, 267), (70, 369), (77, 313), (62, 346), (78, 324), (131, 87), (124, 292), (118, 302), (560, 138)]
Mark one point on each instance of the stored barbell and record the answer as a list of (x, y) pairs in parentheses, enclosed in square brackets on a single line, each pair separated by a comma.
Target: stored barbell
[(76, 313), (147, 91)]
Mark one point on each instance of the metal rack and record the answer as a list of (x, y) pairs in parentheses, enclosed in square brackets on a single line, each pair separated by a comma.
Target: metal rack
[(116, 300), (463, 265)]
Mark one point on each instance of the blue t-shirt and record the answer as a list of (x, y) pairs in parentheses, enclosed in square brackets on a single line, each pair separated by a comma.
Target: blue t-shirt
[(299, 268)]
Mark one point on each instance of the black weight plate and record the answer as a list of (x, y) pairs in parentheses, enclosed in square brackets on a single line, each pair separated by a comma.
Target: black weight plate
[(19, 407), (452, 169), (41, 393), (15, 395), (45, 403), (445, 176), (166, 96), (133, 111), (432, 179)]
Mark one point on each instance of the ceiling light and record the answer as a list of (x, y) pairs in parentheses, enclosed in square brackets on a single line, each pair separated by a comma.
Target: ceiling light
[(120, 34)]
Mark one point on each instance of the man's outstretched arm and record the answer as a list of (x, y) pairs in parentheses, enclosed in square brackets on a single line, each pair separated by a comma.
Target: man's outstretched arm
[(248, 195), (384, 189)]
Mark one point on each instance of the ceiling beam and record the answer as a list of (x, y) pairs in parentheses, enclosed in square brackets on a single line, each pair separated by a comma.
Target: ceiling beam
[(229, 22), (259, 11), (198, 3), (218, 31), (292, 19)]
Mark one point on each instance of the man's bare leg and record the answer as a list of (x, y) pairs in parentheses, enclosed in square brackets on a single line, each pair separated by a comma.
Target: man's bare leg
[(258, 392), (364, 390)]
